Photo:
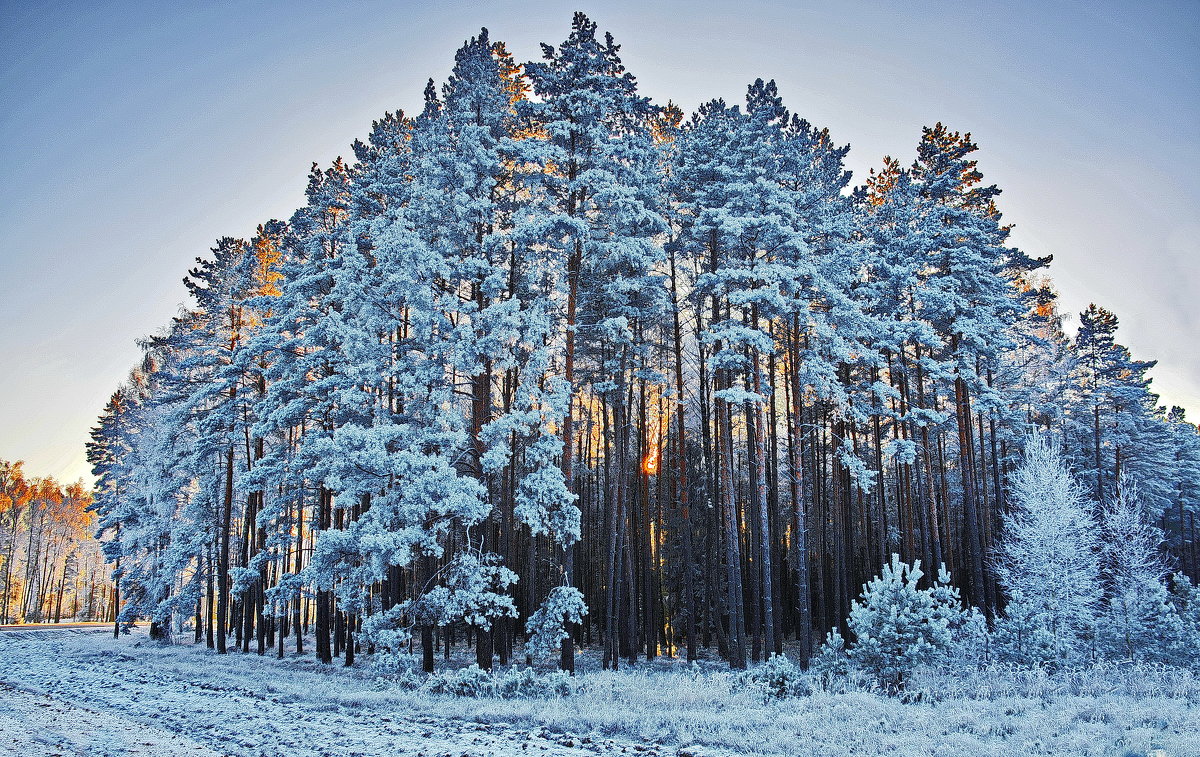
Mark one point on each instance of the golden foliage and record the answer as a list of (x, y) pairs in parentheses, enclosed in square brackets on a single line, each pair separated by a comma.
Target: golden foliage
[(880, 184), (512, 73), (267, 257), (664, 125)]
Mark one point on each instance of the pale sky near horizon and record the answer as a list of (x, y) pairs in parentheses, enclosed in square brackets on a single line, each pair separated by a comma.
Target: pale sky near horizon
[(132, 135)]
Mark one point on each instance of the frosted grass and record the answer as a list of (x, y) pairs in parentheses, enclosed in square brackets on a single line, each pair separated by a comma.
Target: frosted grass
[(664, 708)]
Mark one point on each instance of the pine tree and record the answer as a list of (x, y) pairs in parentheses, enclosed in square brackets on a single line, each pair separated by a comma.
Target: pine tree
[(1138, 621), (898, 626), (1112, 402), (214, 382), (301, 342), (969, 298), (1047, 561), (464, 186), (1185, 443), (109, 452), (593, 217), (1185, 600)]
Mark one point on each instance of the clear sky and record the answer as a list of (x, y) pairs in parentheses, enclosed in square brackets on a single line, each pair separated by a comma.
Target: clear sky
[(133, 135)]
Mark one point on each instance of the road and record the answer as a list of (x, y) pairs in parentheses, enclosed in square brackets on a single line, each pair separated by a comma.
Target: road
[(77, 691), (81, 692), (35, 724), (54, 626)]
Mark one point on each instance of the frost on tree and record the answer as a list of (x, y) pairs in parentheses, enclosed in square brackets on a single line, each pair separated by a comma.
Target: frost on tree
[(1138, 620), (1047, 562), (672, 372), (898, 626)]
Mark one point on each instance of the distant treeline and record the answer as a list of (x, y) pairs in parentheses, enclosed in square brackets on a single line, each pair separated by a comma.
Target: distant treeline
[(51, 566)]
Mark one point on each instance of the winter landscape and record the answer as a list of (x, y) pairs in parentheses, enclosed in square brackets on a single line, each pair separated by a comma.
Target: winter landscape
[(562, 420)]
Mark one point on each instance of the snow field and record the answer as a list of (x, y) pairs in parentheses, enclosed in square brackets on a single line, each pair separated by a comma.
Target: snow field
[(121, 696)]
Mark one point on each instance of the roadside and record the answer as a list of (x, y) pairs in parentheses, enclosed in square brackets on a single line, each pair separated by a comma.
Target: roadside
[(35, 724), (54, 626), (252, 706), (77, 693)]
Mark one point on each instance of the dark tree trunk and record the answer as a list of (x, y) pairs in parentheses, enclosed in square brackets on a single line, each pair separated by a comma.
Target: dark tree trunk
[(223, 557), (324, 609)]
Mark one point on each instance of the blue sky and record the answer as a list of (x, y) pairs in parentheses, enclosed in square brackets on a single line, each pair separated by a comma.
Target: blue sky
[(132, 135)]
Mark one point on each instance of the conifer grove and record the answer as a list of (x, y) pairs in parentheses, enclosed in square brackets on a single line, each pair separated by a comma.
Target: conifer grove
[(548, 366)]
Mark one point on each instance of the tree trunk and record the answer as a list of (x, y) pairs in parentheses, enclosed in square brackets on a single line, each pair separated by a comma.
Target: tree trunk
[(760, 495), (223, 556), (804, 625), (324, 611)]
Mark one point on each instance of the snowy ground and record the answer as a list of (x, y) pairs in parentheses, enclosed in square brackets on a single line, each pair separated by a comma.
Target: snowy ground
[(80, 692)]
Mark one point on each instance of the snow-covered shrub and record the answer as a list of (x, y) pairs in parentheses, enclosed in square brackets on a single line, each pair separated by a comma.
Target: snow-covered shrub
[(779, 677), (525, 683), (517, 683), (971, 641), (398, 670), (470, 681), (512, 684), (1143, 625), (546, 626), (831, 660), (1025, 634), (969, 638), (898, 626)]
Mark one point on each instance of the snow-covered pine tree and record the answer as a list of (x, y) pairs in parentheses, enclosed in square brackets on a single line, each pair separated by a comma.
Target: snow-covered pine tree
[(1181, 522), (213, 380), (1039, 369), (358, 327), (898, 626), (142, 513), (591, 176), (1047, 562), (1138, 620), (703, 184), (889, 216), (465, 190), (390, 433), (109, 454), (1185, 596), (759, 207), (969, 297), (300, 343), (424, 310), (267, 529), (1111, 402), (166, 484)]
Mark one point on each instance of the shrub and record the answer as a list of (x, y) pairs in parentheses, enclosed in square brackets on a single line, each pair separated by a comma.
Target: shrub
[(831, 659), (898, 626), (471, 681), (779, 677), (512, 684)]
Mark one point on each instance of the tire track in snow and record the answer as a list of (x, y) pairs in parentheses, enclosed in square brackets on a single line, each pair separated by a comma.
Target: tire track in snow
[(117, 697)]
